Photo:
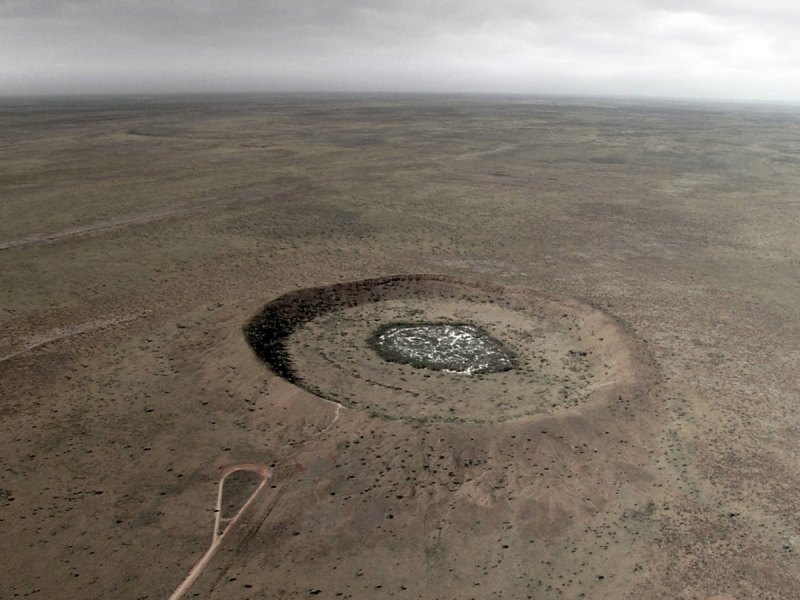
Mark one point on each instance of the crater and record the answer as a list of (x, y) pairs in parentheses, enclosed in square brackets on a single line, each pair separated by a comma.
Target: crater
[(434, 348)]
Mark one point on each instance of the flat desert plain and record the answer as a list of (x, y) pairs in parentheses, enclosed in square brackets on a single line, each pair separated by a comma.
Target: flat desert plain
[(191, 401)]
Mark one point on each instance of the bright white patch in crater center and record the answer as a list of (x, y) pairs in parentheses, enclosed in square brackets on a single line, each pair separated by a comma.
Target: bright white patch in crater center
[(456, 348)]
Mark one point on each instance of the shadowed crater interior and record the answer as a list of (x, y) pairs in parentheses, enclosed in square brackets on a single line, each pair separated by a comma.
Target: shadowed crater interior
[(435, 348)]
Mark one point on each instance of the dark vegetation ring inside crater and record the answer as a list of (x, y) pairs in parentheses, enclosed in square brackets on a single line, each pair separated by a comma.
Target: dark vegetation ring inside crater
[(455, 347)]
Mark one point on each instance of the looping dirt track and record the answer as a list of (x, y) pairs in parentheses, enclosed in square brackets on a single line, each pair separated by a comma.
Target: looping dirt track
[(223, 525)]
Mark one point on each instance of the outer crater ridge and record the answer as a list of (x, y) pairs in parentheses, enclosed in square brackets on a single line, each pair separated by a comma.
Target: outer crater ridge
[(435, 348)]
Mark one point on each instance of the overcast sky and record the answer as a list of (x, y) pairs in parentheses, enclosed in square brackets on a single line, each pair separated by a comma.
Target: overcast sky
[(727, 49)]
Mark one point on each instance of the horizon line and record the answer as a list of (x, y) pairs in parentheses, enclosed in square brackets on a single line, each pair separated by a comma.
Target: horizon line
[(439, 93)]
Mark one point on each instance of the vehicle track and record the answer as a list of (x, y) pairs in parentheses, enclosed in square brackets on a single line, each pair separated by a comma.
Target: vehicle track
[(223, 525), (34, 341), (218, 535), (254, 194)]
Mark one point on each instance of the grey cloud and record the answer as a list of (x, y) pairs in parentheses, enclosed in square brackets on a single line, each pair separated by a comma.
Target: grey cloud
[(727, 49)]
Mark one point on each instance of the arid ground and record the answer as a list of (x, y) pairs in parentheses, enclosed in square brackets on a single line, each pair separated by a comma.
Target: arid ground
[(140, 236)]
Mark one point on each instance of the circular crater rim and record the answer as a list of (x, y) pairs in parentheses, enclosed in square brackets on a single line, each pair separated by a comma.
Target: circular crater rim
[(594, 371)]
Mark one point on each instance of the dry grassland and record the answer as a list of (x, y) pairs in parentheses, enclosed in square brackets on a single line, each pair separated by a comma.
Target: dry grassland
[(139, 236)]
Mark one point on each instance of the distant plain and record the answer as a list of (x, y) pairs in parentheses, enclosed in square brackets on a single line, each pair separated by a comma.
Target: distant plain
[(138, 236)]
